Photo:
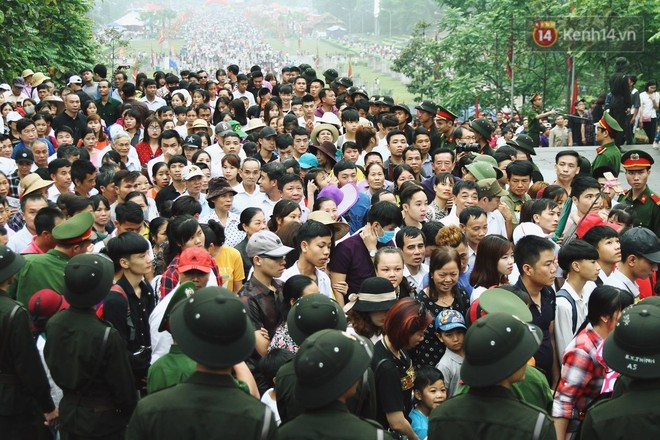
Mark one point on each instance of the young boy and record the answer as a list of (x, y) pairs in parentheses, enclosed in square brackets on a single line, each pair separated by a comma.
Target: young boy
[(313, 241), (450, 330), (606, 241), (579, 260), (429, 391), (350, 151), (60, 173), (640, 256), (350, 119)]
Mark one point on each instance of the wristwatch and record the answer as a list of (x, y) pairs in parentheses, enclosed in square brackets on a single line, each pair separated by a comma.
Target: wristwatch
[(372, 253)]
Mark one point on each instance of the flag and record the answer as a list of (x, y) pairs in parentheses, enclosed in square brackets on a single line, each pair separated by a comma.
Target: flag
[(350, 68), (318, 57), (574, 82), (161, 39)]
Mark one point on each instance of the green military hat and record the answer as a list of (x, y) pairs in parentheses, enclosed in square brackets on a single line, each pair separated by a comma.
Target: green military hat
[(10, 263), (499, 300), (327, 364), (496, 346), (636, 159), (427, 106), (74, 230), (523, 142), (491, 188), (609, 124), (330, 75), (182, 292), (87, 279), (633, 348), (485, 158), (484, 170), (403, 108), (358, 91), (312, 313), (212, 328), (483, 127)]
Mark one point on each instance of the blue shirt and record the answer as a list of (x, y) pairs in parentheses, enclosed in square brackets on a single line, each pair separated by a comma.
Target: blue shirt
[(358, 212), (419, 423), (21, 146)]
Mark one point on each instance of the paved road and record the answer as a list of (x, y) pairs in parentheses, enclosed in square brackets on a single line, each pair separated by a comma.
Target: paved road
[(545, 160)]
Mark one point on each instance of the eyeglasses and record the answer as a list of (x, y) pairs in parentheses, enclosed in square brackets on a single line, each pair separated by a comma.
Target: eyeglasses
[(203, 77)]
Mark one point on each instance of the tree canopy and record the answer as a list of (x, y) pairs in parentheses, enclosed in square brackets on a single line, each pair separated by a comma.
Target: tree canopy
[(464, 55), (46, 35)]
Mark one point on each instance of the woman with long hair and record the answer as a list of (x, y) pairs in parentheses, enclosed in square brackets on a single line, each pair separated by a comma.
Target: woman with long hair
[(231, 164), (442, 293), (149, 147), (238, 112), (96, 124), (161, 178), (88, 141), (103, 225), (404, 327), (441, 204), (252, 221), (183, 232), (158, 238), (228, 259), (582, 373), (492, 266), (285, 211), (294, 288), (271, 110), (366, 310), (401, 174)]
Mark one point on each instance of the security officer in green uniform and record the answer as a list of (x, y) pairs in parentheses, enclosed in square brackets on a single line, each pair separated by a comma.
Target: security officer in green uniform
[(87, 357), (44, 271), (24, 388), (444, 122), (483, 131), (308, 315), (329, 366), (526, 148), (497, 348), (402, 112), (632, 349), (426, 111), (534, 117), (212, 328), (607, 154), (644, 201)]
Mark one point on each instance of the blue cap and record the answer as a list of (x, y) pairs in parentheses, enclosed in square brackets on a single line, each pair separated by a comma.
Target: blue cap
[(449, 320), (307, 161)]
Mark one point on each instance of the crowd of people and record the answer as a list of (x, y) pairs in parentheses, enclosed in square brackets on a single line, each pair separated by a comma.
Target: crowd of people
[(176, 249)]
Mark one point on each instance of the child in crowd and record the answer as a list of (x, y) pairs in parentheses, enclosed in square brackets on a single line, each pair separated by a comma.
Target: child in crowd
[(450, 329), (429, 391)]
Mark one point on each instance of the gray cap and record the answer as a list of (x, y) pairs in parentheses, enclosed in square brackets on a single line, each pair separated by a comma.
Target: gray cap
[(268, 244), (267, 132), (222, 128)]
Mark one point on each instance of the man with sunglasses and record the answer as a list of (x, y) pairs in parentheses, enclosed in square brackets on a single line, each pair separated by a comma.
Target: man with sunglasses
[(262, 292), (607, 154)]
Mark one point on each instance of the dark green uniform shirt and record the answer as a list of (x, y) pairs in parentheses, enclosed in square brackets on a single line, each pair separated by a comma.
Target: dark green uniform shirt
[(333, 421), (206, 406), (24, 386), (646, 208), (515, 204), (634, 415), (534, 126), (447, 142), (169, 370), (608, 156), (489, 413), (41, 271), (99, 393)]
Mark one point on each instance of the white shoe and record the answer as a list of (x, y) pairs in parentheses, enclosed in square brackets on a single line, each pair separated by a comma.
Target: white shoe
[(656, 146)]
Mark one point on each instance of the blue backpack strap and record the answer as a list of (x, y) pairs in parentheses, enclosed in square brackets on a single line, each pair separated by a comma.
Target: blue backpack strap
[(563, 293)]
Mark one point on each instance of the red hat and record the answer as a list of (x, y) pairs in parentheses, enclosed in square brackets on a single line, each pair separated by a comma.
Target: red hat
[(593, 219), (195, 258)]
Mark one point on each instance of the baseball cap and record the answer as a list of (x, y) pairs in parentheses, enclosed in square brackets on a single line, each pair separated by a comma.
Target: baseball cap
[(633, 348), (44, 304), (75, 79), (307, 161), (641, 241), (24, 155), (13, 116), (191, 171), (223, 128), (449, 320), (195, 258), (267, 132), (268, 244), (192, 140)]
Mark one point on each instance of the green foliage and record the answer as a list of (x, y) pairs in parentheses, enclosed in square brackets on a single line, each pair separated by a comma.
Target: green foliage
[(45, 35), (464, 54)]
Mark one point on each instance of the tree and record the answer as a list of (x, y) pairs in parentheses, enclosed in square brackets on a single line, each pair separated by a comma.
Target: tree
[(47, 35)]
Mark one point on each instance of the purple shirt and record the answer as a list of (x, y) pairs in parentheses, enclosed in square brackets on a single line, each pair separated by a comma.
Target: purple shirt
[(351, 257)]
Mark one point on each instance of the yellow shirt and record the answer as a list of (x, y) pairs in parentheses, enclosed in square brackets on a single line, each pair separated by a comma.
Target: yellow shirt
[(230, 265)]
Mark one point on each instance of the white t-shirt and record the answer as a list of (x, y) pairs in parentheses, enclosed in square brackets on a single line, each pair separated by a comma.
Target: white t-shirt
[(322, 279)]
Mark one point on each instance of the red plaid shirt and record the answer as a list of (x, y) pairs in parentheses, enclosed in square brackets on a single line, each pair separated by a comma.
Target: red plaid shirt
[(582, 375), (170, 278)]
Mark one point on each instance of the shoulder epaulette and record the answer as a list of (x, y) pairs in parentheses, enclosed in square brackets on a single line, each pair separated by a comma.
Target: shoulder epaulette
[(656, 199)]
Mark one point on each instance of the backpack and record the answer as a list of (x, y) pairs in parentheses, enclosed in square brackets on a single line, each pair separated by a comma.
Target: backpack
[(99, 307), (563, 293)]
